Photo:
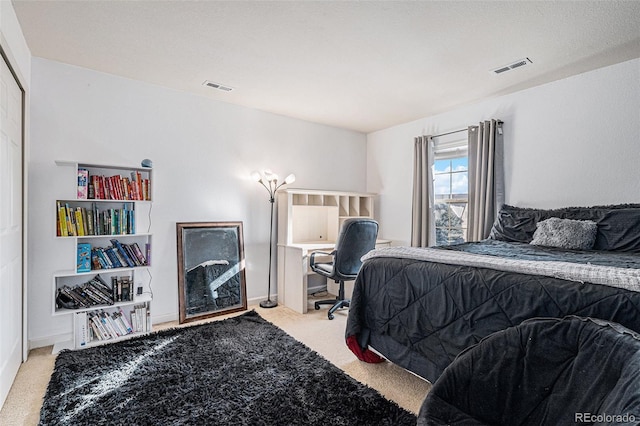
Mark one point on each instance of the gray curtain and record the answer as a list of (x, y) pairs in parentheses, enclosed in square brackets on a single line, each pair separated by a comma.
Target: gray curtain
[(423, 230), (486, 177)]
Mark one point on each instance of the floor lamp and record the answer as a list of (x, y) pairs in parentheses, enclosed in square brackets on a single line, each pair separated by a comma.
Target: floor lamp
[(270, 182)]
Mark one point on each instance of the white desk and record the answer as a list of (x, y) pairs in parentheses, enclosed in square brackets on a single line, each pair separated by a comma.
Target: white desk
[(294, 272), (309, 220)]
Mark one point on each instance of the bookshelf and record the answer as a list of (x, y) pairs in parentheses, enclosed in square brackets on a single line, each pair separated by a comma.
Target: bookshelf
[(102, 222)]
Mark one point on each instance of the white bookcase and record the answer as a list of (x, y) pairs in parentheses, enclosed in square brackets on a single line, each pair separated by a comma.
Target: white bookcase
[(120, 212), (308, 221)]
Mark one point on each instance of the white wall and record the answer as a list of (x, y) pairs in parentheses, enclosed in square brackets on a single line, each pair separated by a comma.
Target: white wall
[(573, 142), (203, 152), (14, 44)]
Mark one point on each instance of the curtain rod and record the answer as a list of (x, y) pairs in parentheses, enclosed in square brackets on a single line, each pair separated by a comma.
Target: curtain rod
[(449, 133), (498, 122)]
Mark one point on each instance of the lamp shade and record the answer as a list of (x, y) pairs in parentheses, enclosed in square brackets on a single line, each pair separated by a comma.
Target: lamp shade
[(290, 179)]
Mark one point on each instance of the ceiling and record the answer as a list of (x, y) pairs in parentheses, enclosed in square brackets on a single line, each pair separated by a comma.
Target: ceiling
[(360, 65)]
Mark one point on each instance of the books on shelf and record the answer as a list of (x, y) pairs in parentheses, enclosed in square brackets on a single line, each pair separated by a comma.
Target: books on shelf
[(120, 187), (95, 292), (118, 255), (100, 293), (108, 324), (122, 289), (86, 221), (141, 319)]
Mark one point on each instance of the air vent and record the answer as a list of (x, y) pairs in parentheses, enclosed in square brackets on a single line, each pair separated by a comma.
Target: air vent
[(516, 64), (217, 86)]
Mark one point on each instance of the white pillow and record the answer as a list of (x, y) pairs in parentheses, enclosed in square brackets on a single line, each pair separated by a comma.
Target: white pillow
[(565, 233)]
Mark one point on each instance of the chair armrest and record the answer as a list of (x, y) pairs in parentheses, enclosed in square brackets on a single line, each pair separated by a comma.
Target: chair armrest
[(312, 260)]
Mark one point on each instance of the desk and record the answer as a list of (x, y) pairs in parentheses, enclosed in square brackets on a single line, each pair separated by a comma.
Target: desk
[(309, 220), (294, 272)]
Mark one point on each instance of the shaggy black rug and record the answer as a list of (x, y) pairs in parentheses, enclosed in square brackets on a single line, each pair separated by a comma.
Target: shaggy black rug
[(239, 371)]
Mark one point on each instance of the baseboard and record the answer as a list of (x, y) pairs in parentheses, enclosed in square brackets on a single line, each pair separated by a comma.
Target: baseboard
[(254, 301), (41, 342), (317, 289), (159, 319)]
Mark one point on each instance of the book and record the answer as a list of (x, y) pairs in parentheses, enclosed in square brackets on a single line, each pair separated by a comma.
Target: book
[(102, 330), (105, 261), (122, 330), (127, 293), (126, 321), (134, 321), (101, 289), (143, 318), (81, 328), (92, 296), (83, 184), (138, 253), (84, 257), (79, 222), (147, 251), (102, 284), (89, 221), (71, 223), (80, 300), (111, 254), (95, 333), (62, 220), (123, 253), (85, 225), (108, 324)]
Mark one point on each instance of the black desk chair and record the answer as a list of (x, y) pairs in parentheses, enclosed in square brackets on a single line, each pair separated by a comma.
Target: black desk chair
[(356, 238)]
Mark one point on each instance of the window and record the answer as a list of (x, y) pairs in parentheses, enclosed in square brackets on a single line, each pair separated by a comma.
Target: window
[(451, 192)]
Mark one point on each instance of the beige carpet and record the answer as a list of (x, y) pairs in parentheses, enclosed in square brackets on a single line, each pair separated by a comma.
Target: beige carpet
[(22, 406)]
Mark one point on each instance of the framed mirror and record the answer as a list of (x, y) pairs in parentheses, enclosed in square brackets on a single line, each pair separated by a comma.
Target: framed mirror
[(211, 273)]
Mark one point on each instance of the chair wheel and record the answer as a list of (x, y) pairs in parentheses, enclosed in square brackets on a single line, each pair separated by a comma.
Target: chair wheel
[(330, 316), (316, 306)]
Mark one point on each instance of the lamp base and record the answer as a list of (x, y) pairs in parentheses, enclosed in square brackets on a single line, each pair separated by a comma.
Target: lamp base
[(268, 304)]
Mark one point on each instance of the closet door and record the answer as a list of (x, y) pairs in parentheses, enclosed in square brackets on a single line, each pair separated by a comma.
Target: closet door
[(11, 254)]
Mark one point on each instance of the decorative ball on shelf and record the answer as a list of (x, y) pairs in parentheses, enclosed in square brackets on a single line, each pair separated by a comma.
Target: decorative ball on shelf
[(147, 163)]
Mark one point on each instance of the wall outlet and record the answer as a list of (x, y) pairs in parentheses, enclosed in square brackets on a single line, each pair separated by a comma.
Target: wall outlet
[(139, 291)]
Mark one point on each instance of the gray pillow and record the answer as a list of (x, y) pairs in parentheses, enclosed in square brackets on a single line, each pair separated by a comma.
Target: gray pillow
[(565, 233)]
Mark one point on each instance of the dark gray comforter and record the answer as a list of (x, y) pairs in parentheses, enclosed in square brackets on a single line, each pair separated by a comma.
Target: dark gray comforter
[(420, 314)]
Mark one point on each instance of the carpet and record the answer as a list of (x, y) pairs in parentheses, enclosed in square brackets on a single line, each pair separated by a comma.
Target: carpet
[(238, 371)]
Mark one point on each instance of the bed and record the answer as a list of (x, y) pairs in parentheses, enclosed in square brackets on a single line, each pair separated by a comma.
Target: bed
[(420, 308)]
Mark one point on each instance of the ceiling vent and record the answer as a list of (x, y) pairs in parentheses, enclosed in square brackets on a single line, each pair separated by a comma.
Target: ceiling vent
[(217, 86), (517, 64)]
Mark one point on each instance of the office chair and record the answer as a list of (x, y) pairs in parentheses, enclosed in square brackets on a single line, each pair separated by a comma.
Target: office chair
[(357, 237)]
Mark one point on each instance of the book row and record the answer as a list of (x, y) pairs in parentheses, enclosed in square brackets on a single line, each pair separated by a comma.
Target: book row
[(95, 292), (115, 187), (117, 255), (82, 221), (103, 325)]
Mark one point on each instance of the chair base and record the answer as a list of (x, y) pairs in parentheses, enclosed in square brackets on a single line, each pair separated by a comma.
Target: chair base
[(337, 304)]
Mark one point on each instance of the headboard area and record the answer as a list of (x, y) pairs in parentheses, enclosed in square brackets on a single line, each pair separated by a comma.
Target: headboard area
[(618, 226)]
